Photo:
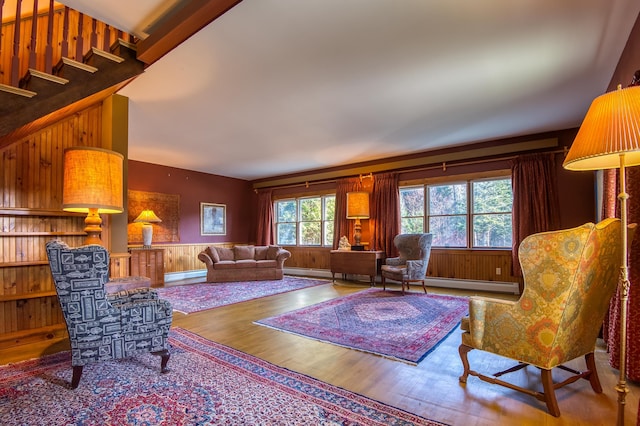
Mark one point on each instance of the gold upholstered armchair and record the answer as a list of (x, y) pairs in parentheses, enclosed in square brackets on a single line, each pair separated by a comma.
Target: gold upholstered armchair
[(570, 277), (411, 265)]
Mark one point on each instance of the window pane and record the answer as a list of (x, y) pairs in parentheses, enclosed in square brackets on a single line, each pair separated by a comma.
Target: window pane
[(329, 207), (412, 225), (286, 233), (286, 211), (448, 199), (310, 208), (448, 231), (492, 196), (310, 233), (412, 202), (492, 230), (328, 233)]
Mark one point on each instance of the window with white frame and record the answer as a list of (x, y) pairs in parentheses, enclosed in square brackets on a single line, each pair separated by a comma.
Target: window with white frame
[(474, 213), (305, 221)]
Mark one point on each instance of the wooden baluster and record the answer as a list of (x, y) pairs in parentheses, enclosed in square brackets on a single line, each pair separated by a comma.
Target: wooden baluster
[(94, 34), (64, 46), (34, 35), (106, 44), (15, 59), (48, 51), (79, 39)]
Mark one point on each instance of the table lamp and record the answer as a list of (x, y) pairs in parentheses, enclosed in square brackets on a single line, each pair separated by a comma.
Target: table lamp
[(357, 208), (147, 217), (92, 184)]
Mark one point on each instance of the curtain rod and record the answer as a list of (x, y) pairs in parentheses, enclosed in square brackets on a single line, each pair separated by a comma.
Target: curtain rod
[(443, 166)]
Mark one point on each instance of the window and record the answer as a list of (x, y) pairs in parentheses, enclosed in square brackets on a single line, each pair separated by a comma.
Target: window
[(305, 221), (474, 213)]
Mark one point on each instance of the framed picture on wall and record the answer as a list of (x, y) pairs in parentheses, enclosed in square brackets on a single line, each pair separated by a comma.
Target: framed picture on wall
[(213, 219)]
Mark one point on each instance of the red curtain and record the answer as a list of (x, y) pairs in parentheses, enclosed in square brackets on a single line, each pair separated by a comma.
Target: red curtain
[(611, 208), (342, 225), (384, 224), (536, 206), (264, 231)]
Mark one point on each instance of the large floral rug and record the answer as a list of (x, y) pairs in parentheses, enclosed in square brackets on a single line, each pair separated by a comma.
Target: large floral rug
[(404, 327), (208, 384), (199, 297)]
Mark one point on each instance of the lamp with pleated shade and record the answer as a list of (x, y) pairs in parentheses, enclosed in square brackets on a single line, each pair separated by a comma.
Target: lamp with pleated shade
[(609, 138), (357, 208)]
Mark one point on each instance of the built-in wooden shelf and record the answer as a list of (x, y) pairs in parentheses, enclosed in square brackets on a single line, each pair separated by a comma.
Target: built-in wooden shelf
[(9, 297), (42, 234), (25, 263), (25, 211)]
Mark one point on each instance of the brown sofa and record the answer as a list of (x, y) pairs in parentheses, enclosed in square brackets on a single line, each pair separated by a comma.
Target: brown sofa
[(244, 263)]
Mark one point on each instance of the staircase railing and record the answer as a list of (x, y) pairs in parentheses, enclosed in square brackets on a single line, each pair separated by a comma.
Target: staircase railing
[(44, 37)]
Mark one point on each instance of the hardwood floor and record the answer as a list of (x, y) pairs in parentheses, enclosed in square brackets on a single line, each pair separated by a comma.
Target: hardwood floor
[(430, 389)]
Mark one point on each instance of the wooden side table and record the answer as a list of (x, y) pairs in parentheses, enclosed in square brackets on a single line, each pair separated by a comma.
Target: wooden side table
[(356, 262), (148, 263)]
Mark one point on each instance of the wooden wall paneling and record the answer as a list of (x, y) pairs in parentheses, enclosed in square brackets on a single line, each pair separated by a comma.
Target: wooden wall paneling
[(309, 257)]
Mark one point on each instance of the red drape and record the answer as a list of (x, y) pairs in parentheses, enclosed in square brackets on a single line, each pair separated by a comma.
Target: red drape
[(612, 324), (536, 206), (264, 227), (384, 224), (342, 225)]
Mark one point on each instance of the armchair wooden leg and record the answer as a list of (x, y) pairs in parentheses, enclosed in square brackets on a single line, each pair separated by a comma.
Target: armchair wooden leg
[(77, 373), (424, 287), (549, 393), (463, 350), (384, 284), (593, 375), (164, 359)]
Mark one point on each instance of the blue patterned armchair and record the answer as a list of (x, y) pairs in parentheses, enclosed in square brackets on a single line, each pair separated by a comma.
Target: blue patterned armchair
[(105, 326), (411, 265)]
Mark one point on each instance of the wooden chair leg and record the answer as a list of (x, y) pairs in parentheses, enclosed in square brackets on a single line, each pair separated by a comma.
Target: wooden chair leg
[(384, 284), (77, 373), (424, 286), (593, 375), (549, 393), (463, 350), (164, 359)]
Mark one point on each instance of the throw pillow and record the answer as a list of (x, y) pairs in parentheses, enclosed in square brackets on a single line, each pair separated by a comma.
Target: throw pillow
[(244, 252), (225, 253), (272, 252), (261, 253), (213, 254)]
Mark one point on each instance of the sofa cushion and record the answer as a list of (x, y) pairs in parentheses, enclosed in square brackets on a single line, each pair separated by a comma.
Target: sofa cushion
[(244, 252), (261, 253), (272, 252), (246, 263), (225, 264), (225, 253), (266, 264), (213, 254)]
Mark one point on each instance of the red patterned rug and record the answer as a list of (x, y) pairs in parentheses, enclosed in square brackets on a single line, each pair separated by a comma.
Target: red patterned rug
[(199, 297), (404, 327), (208, 384)]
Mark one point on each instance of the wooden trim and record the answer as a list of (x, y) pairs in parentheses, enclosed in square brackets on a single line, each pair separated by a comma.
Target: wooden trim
[(20, 264), (24, 296), (42, 234), (184, 21), (25, 211)]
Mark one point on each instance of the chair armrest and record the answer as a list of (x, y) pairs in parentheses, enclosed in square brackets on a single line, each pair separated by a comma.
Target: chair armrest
[(482, 311), (394, 261), (126, 296), (159, 305), (415, 270)]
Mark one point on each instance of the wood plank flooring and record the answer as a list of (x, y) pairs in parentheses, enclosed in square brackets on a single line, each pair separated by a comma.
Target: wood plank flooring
[(430, 389)]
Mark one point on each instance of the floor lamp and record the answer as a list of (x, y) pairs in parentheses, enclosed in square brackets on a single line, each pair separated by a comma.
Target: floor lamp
[(609, 138), (92, 184)]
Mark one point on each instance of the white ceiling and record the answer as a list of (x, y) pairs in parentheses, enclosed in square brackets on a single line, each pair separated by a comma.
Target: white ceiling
[(281, 86)]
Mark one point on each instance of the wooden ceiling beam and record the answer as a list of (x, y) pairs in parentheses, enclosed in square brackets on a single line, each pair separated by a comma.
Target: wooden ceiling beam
[(179, 25)]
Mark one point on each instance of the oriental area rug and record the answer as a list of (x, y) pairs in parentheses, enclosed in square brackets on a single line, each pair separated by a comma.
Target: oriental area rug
[(191, 298), (402, 327), (208, 384)]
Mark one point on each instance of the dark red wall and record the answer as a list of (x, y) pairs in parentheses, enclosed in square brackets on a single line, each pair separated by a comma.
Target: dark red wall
[(194, 188)]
